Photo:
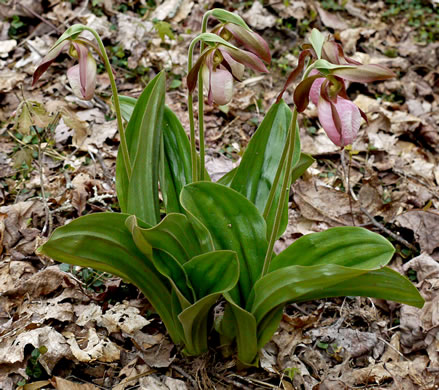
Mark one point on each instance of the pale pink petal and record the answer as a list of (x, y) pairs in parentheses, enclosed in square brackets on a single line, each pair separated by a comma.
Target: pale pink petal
[(219, 84), (236, 68), (84, 89), (314, 92), (350, 118)]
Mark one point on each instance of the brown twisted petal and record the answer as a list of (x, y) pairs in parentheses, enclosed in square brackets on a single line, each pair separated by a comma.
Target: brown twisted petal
[(192, 76), (295, 73), (47, 61)]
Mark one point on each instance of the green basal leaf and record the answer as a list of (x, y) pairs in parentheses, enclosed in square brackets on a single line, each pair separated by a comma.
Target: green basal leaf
[(299, 283), (174, 235), (256, 172), (234, 224), (133, 134), (170, 268), (211, 274), (142, 194), (383, 283), (269, 325), (246, 332), (228, 17), (305, 161), (102, 241), (347, 246), (177, 170), (227, 179), (127, 105), (317, 40)]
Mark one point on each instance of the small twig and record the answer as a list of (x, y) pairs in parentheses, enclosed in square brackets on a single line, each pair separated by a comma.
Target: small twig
[(185, 374), (48, 223), (387, 231), (391, 346), (347, 183), (33, 13), (104, 167), (230, 381)]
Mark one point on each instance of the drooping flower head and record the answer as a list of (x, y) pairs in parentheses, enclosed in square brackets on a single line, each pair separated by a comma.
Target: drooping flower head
[(82, 77), (223, 62), (325, 86)]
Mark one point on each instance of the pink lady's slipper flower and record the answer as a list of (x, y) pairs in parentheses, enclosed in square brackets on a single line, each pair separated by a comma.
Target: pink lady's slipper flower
[(325, 86), (82, 77), (222, 64), (339, 117)]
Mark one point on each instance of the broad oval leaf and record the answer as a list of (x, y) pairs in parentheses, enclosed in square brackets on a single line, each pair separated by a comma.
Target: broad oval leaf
[(246, 332), (127, 104), (347, 246), (177, 171), (213, 272), (255, 175), (299, 283), (174, 235), (234, 224), (103, 242), (142, 195), (138, 194)]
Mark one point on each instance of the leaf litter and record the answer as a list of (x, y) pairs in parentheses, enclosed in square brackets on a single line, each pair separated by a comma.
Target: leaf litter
[(96, 332)]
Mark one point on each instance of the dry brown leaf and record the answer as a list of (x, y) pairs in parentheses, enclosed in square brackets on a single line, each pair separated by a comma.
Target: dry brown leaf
[(42, 283), (98, 348), (12, 349), (258, 17), (425, 227), (152, 382), (331, 20), (313, 198), (122, 317), (9, 79), (63, 384)]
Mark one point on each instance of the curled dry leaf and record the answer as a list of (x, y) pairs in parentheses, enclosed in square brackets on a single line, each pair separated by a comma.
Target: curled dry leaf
[(63, 384), (424, 225), (420, 327), (122, 317), (42, 283), (12, 350), (98, 348)]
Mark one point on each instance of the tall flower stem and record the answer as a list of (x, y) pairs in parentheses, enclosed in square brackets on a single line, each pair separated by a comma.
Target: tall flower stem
[(283, 192), (201, 103), (123, 141), (190, 105), (273, 188)]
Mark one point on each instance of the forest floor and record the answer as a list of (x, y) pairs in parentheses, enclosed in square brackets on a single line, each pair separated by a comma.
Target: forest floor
[(67, 327)]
